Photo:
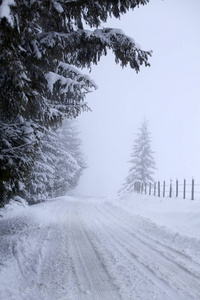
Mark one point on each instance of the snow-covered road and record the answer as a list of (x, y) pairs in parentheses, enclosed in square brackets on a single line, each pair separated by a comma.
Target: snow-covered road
[(86, 248)]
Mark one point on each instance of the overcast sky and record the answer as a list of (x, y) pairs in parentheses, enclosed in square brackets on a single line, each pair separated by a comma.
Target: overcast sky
[(167, 94)]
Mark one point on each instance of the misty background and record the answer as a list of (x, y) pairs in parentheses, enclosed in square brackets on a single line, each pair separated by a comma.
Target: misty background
[(167, 94)]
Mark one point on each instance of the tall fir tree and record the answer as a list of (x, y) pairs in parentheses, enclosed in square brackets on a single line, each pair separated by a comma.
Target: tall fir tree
[(43, 44), (142, 161)]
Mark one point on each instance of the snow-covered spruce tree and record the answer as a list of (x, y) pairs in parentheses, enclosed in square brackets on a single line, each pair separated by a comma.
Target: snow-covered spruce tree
[(58, 166), (142, 160), (74, 160), (42, 45)]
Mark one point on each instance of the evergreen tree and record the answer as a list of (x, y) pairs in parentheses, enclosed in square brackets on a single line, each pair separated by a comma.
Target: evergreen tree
[(42, 46), (58, 166), (142, 161)]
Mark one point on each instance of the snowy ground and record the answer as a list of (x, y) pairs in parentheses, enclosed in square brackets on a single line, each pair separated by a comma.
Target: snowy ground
[(73, 248)]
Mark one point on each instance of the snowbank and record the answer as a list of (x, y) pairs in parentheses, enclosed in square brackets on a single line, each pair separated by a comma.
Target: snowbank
[(179, 215)]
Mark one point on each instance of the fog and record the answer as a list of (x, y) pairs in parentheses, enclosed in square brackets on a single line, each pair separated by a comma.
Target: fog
[(167, 94)]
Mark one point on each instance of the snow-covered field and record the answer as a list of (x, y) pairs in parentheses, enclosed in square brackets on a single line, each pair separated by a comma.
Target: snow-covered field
[(70, 248)]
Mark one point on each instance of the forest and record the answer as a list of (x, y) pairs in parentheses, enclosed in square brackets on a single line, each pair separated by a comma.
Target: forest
[(44, 47)]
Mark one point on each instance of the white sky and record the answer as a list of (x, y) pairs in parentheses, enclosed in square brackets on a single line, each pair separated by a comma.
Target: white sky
[(167, 94)]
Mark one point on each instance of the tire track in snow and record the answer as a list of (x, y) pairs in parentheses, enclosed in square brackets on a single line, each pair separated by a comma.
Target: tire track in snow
[(133, 279), (176, 274), (93, 279), (183, 260), (149, 229)]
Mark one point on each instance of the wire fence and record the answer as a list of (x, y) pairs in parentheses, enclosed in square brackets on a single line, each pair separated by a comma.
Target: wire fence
[(176, 188)]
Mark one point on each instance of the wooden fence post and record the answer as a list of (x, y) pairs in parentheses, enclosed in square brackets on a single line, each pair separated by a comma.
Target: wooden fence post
[(184, 188), (177, 188), (158, 188), (139, 187), (163, 189), (170, 189), (192, 192), (149, 188)]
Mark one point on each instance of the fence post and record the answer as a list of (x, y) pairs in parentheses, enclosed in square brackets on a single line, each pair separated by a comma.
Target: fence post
[(170, 189), (139, 187), (184, 188), (154, 188), (163, 189), (177, 188), (149, 188), (158, 188), (192, 193)]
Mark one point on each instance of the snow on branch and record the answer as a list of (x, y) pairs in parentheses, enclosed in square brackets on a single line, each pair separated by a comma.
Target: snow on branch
[(58, 7), (69, 78), (73, 70), (126, 50), (5, 10), (52, 78), (87, 47)]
